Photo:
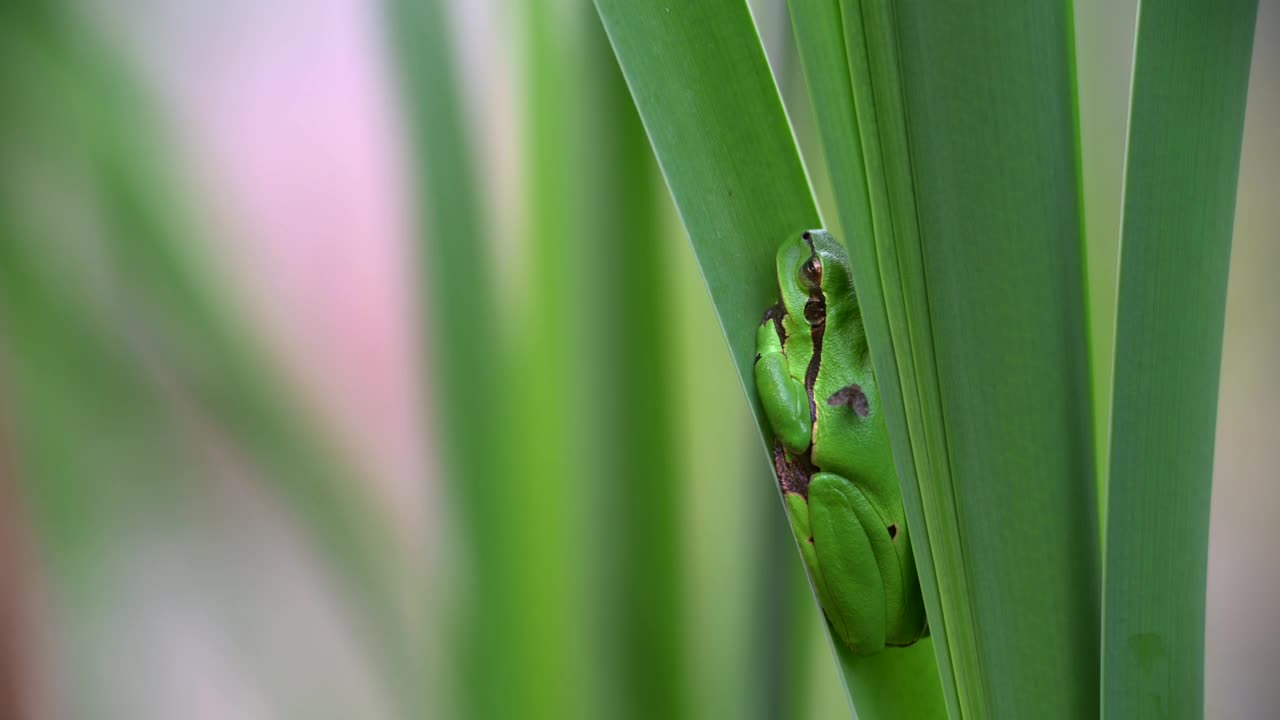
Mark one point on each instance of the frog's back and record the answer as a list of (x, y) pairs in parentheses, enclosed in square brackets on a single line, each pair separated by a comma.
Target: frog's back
[(850, 444)]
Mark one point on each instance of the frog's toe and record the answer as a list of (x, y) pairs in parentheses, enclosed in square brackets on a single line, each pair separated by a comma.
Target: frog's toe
[(775, 313)]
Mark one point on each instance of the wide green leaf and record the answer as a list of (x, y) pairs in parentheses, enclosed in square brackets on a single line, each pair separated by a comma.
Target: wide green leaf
[(950, 132), (989, 95)]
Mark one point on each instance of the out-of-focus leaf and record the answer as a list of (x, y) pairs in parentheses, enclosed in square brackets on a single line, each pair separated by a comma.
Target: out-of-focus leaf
[(93, 420)]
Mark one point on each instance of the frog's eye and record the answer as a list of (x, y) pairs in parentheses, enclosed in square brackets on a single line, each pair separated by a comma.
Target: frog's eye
[(811, 273)]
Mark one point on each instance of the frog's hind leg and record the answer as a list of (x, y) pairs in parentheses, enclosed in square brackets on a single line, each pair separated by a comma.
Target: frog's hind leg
[(858, 562)]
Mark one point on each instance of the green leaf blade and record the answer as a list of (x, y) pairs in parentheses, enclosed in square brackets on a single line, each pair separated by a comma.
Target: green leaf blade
[(991, 122), (1185, 128), (702, 85), (954, 146)]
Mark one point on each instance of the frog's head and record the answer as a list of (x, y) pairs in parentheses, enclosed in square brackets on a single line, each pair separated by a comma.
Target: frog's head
[(812, 267)]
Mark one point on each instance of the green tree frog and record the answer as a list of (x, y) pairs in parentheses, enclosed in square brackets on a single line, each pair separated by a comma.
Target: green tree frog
[(831, 449)]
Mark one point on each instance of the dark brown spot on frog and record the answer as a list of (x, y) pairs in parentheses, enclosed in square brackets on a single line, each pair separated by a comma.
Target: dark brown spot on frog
[(893, 531), (852, 396)]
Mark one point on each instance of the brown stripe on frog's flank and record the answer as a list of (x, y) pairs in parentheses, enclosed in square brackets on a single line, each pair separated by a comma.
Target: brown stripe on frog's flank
[(815, 312)]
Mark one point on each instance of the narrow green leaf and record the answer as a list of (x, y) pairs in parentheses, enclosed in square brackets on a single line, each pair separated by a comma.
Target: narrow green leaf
[(457, 262), (834, 51), (17, 696), (548, 484), (1186, 120), (1104, 53), (640, 488), (725, 494)]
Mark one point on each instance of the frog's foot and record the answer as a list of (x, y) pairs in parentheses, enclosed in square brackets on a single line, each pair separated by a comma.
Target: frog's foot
[(776, 314)]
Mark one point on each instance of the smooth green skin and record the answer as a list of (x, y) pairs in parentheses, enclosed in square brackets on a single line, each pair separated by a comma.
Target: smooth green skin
[(849, 520)]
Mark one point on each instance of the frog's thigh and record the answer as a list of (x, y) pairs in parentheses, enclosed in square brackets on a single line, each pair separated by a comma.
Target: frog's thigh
[(882, 545), (850, 566)]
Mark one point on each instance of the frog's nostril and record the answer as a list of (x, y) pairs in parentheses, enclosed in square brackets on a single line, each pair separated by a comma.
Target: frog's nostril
[(893, 531)]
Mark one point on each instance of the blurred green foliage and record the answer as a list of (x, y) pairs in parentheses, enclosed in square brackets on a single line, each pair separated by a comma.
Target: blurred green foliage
[(612, 542), (595, 453)]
